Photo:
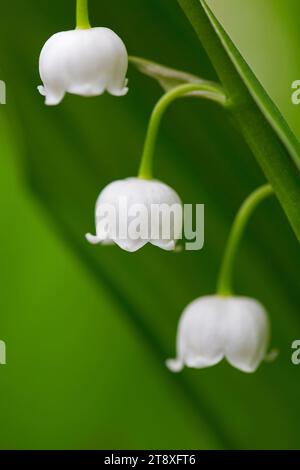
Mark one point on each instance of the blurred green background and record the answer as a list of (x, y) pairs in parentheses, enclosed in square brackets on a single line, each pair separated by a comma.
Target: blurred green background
[(88, 329)]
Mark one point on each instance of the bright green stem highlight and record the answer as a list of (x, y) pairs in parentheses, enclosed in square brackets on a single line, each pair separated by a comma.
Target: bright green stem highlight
[(82, 15), (235, 237), (206, 90)]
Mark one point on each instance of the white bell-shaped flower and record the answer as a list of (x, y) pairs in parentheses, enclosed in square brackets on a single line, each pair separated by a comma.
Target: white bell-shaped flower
[(134, 211), (84, 62), (213, 328)]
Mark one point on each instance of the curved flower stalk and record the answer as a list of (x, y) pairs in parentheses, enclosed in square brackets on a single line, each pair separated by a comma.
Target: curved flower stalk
[(225, 326), (85, 61), (121, 201), (209, 90)]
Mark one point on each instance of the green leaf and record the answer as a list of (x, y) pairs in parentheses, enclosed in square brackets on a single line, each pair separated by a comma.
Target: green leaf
[(169, 78), (262, 99), (263, 127)]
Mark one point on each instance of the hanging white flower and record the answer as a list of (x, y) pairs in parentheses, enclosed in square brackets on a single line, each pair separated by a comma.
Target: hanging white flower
[(84, 62), (134, 211), (213, 328)]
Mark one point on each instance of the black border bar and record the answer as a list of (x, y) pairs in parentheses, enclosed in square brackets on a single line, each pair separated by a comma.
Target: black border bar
[(138, 459)]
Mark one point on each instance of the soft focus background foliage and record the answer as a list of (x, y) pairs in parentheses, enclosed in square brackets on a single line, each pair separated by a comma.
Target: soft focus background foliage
[(88, 329)]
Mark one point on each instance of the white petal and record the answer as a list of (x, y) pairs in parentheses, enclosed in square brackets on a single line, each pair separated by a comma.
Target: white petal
[(93, 239), (201, 333), (131, 245), (42, 90), (87, 89), (118, 91), (198, 362), (53, 97), (167, 245), (248, 333), (174, 365)]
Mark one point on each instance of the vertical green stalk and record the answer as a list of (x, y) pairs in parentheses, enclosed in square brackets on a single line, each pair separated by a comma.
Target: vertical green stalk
[(235, 237), (82, 15), (207, 90), (257, 117)]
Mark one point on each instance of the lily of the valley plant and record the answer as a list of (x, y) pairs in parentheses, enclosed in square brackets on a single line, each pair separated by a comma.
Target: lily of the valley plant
[(88, 61), (224, 325), (144, 190)]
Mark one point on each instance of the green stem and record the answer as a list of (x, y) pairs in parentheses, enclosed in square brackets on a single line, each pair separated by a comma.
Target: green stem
[(264, 129), (82, 15), (235, 237), (207, 90)]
